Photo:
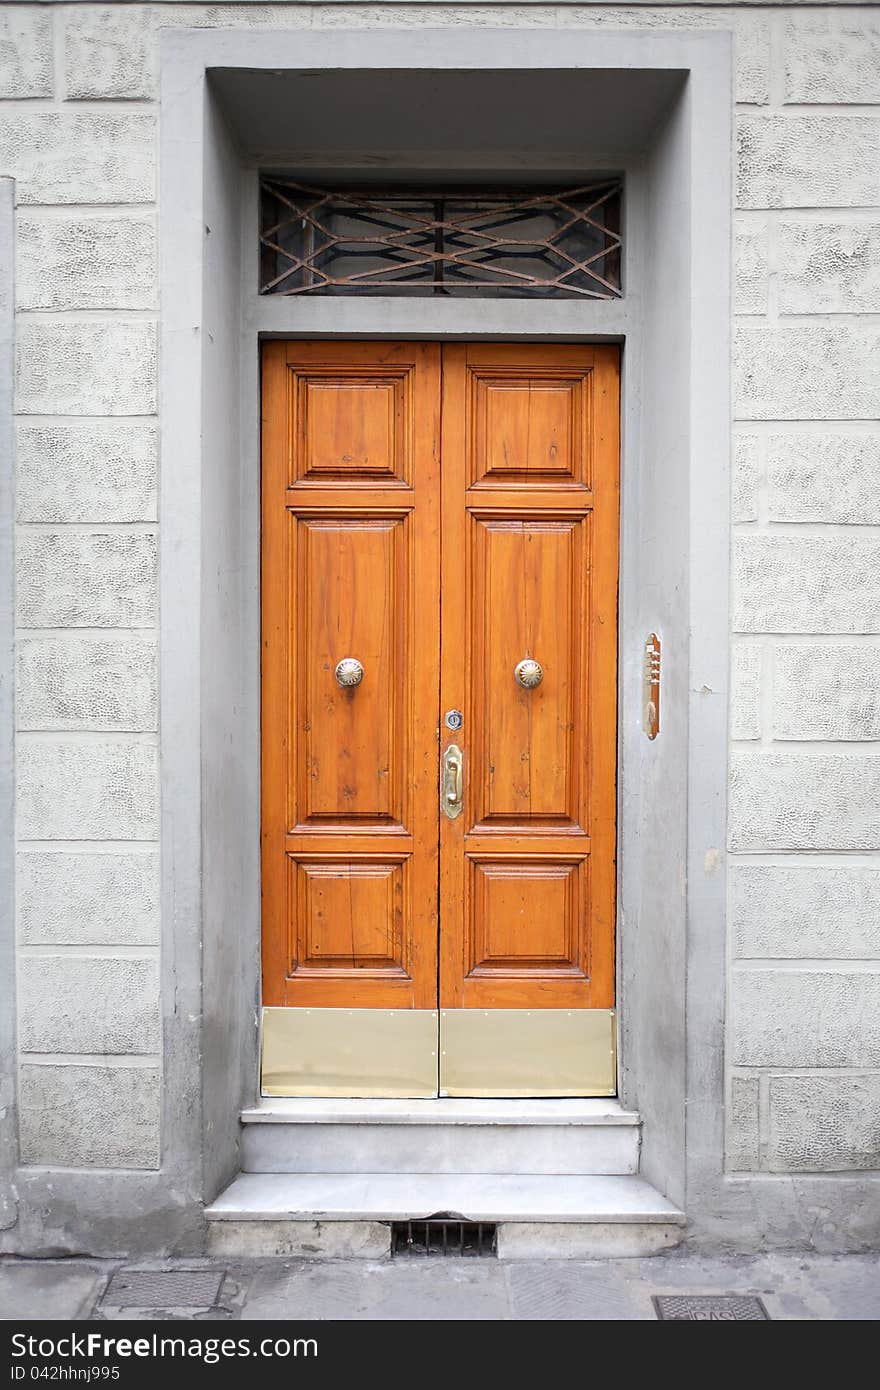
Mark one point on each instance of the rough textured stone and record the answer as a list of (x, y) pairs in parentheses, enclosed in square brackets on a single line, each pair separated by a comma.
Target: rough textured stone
[(338, 1240), (87, 472), (87, 790), (743, 1127), (813, 372), (804, 801), (83, 898), (86, 579), (808, 161), (79, 156), (88, 1004), (25, 52), (823, 1124), (813, 912), (833, 57), (746, 456), (101, 367), (806, 584), (109, 51), (826, 692), (805, 1018), (745, 692), (824, 477), (828, 267), (750, 270), (87, 683), (79, 1117), (86, 262)]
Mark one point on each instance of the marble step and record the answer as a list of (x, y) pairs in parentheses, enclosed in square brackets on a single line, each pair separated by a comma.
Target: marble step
[(441, 1137), (344, 1214)]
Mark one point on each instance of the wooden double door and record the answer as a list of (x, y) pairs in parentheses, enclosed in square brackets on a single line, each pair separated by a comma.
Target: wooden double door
[(439, 651)]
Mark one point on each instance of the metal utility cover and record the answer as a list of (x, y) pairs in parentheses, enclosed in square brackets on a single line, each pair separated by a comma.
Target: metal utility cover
[(171, 1288), (713, 1307)]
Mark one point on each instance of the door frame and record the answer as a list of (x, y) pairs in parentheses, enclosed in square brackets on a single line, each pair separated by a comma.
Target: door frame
[(674, 327)]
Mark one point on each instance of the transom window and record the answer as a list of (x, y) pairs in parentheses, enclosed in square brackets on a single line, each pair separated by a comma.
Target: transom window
[(513, 243)]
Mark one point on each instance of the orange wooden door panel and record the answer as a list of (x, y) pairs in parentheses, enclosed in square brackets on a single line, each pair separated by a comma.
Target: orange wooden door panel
[(357, 563), (350, 516), (529, 546)]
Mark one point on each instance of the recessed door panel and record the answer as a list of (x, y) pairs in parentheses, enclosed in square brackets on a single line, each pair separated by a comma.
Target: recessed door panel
[(529, 599), (350, 601), (350, 425)]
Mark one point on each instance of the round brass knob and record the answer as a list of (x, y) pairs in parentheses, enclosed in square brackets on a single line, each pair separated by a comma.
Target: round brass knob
[(528, 673), (349, 672)]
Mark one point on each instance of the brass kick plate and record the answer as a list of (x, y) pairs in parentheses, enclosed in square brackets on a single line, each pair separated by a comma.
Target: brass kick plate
[(349, 1052), (528, 1052)]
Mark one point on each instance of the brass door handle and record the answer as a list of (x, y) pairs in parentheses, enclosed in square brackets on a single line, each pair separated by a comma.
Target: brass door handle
[(528, 673), (451, 782)]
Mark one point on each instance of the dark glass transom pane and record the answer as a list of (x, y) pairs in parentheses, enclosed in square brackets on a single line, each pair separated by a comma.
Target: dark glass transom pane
[(554, 244)]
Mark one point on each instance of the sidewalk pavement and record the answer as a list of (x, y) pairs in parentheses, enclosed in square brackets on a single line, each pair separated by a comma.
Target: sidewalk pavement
[(791, 1286)]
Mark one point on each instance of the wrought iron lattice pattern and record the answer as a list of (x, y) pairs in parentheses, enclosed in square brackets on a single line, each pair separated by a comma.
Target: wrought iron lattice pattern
[(555, 244)]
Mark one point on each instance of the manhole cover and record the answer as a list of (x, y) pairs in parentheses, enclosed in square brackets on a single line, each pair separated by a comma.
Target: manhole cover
[(167, 1288), (710, 1307)]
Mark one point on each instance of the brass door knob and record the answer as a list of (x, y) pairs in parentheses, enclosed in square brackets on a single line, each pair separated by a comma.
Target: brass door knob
[(349, 672), (528, 673)]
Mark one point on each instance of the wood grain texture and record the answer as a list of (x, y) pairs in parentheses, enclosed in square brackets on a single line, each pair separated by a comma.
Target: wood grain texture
[(351, 568), (439, 588), (530, 525)]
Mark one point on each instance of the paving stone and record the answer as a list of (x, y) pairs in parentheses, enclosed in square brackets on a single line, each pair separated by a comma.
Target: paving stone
[(438, 1290), (45, 1292), (548, 1292)]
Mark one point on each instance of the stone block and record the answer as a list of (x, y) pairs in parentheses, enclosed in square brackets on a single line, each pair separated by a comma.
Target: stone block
[(805, 1018), (823, 1124), (743, 1125), (828, 267), (99, 367), (585, 1240), (813, 161), (824, 477), (806, 584), (745, 692), (86, 579), (87, 472), (788, 801), (87, 683), (73, 156), (87, 898), (827, 692), (86, 262), (833, 57), (90, 1117), (25, 52), (303, 1240), (85, 789), (109, 51), (811, 912), (750, 269), (746, 464), (806, 372), (88, 1004)]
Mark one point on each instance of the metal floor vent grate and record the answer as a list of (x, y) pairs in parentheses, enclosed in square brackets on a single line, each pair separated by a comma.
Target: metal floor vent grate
[(719, 1307), (443, 1234)]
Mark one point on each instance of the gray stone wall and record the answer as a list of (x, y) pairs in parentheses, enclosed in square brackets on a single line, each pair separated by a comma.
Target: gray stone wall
[(78, 87)]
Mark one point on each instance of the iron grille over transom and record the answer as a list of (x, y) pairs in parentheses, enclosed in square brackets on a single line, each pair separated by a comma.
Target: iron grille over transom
[(551, 243)]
